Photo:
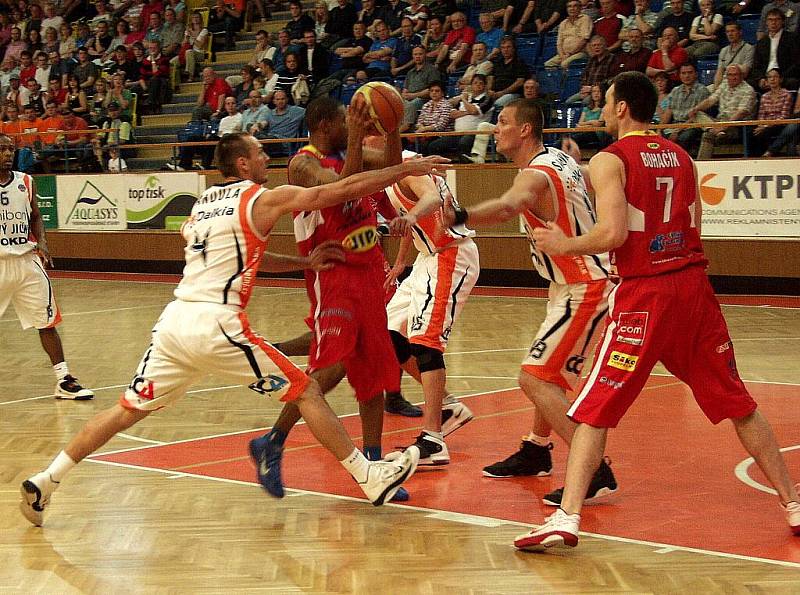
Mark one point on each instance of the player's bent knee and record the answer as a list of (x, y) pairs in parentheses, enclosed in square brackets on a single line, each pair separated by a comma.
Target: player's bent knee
[(428, 359), (402, 348)]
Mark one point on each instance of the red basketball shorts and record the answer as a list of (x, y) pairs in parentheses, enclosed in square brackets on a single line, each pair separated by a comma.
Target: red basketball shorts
[(348, 322), (673, 318)]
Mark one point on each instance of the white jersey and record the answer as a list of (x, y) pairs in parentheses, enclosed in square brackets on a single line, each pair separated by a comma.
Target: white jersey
[(223, 249), (16, 199), (427, 235), (574, 214)]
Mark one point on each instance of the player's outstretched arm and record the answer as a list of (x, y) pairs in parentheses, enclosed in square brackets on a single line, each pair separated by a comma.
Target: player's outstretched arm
[(611, 229), (429, 199), (322, 258), (523, 194), (285, 199)]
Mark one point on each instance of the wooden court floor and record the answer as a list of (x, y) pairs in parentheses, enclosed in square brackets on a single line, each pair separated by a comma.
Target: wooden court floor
[(172, 507)]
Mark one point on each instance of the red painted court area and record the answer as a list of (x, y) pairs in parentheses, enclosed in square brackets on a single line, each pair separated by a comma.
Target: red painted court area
[(676, 471)]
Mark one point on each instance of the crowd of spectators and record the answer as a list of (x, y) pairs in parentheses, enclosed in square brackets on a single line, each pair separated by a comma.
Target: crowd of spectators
[(456, 63)]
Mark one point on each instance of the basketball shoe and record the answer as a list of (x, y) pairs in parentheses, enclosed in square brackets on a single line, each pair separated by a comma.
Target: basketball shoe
[(69, 389), (792, 510), (397, 404), (433, 451), (385, 477), (530, 459), (559, 530), (267, 455), (454, 415), (603, 484), (36, 492)]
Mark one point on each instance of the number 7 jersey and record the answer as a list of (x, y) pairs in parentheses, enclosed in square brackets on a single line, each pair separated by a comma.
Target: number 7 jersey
[(661, 192)]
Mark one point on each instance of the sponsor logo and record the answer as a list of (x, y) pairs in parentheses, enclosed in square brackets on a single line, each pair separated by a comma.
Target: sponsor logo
[(446, 333), (724, 347), (270, 384), (362, 239), (751, 187), (143, 388), (575, 364), (538, 349), (667, 242), (653, 146), (215, 212), (21, 188), (93, 208), (333, 331), (416, 323), (340, 312), (631, 327), (623, 361), (611, 383), (711, 195)]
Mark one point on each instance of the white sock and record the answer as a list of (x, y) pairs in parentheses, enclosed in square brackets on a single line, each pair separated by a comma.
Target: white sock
[(437, 435), (60, 466), (358, 465), (61, 371), (538, 440)]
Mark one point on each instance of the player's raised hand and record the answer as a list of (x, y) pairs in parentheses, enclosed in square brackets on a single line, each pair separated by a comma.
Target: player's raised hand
[(326, 255), (550, 239), (420, 166), (401, 226)]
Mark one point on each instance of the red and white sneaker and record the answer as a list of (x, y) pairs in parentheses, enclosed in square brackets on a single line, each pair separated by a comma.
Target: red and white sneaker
[(559, 530), (792, 510)]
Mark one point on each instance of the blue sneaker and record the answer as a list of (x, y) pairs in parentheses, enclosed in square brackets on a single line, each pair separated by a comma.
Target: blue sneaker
[(267, 457), (401, 495)]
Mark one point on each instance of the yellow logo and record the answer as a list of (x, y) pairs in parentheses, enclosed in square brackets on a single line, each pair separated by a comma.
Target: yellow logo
[(362, 239), (711, 195), (623, 361), (653, 146)]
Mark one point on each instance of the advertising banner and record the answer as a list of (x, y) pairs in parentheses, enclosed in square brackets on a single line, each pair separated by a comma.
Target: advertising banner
[(162, 200), (91, 203), (750, 198), (46, 197)]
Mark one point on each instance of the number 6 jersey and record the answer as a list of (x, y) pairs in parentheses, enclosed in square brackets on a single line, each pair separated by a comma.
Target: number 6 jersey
[(15, 216)]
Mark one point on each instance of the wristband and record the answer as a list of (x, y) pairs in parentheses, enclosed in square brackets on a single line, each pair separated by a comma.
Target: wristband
[(461, 216)]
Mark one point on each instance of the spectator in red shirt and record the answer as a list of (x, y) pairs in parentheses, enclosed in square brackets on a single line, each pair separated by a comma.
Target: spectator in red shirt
[(153, 78), (456, 51), (27, 69), (668, 57), (153, 6), (212, 97), (609, 24)]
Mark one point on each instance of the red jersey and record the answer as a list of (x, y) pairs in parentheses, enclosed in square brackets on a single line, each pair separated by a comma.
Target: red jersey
[(353, 223), (661, 192)]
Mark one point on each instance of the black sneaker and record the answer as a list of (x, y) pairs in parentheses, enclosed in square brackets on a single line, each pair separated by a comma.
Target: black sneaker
[(397, 404), (69, 388), (530, 459), (432, 451), (603, 484)]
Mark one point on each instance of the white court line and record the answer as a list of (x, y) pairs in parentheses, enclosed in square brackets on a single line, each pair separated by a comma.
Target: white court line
[(463, 517), (742, 475), (140, 439), (50, 396), (12, 319)]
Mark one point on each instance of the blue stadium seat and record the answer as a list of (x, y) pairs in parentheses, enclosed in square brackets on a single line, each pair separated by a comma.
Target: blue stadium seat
[(705, 76), (452, 85), (656, 5), (399, 82), (572, 84), (528, 51), (549, 81), (707, 62), (549, 47), (347, 93), (749, 23)]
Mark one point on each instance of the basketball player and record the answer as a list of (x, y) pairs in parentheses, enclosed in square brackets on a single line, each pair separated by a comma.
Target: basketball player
[(205, 329), (663, 309), (23, 258), (348, 314), (423, 310), (548, 187)]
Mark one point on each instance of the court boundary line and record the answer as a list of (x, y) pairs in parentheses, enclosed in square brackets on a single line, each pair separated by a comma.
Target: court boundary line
[(667, 548)]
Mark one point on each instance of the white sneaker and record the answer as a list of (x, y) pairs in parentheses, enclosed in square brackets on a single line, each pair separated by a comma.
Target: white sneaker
[(385, 477), (792, 510), (174, 166), (559, 530), (454, 415), (36, 492), (69, 388), (432, 451)]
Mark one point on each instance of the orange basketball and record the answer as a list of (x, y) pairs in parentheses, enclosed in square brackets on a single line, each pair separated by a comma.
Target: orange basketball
[(385, 105)]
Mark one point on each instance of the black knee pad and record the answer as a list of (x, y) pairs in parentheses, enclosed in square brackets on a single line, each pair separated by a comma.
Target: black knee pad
[(402, 348), (428, 359)]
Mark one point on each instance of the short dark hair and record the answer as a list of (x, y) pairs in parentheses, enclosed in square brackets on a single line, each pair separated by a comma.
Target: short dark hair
[(734, 24), (268, 63), (635, 89), (296, 3), (439, 84), (229, 148), (479, 76), (776, 12), (322, 109), (528, 111)]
